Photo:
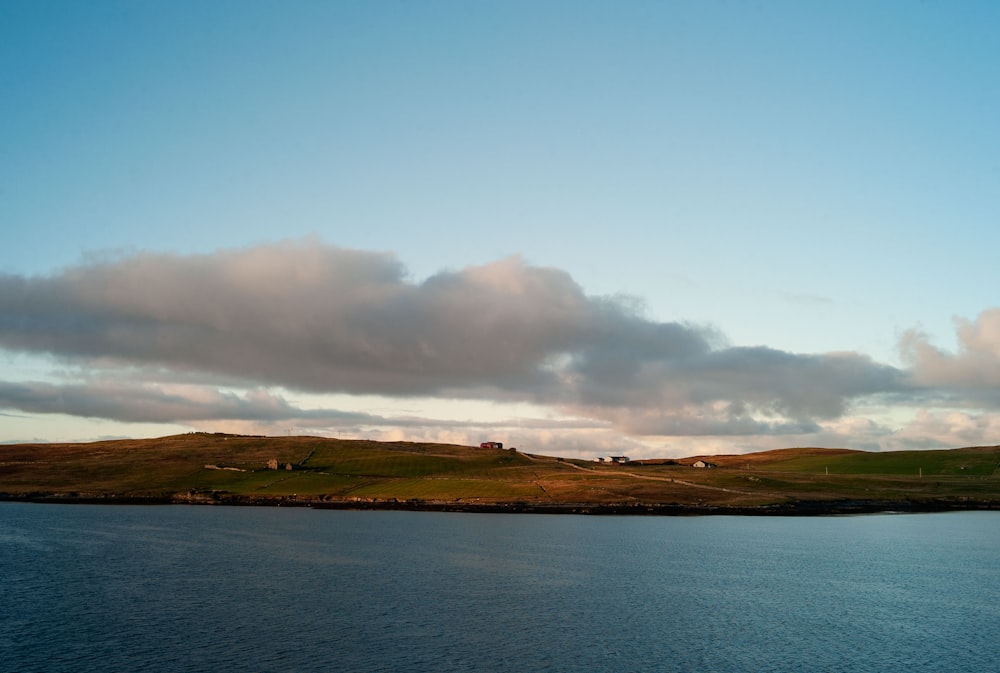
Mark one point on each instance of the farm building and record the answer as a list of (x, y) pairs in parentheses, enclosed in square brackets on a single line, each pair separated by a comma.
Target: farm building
[(702, 463)]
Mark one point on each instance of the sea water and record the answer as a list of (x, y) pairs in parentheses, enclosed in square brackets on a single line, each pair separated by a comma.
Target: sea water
[(200, 588)]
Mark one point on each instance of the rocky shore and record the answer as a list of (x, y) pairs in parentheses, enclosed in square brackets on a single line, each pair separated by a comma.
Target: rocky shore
[(790, 508)]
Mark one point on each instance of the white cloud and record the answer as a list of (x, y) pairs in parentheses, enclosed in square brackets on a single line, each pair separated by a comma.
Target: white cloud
[(976, 364), (967, 378), (941, 429)]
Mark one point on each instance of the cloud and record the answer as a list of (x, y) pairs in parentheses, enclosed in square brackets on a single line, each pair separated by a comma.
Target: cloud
[(967, 378), (312, 317), (301, 314), (735, 382), (156, 404), (976, 364), (945, 429), (185, 403)]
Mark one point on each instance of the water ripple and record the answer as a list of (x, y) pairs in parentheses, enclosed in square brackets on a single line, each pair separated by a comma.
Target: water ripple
[(232, 589)]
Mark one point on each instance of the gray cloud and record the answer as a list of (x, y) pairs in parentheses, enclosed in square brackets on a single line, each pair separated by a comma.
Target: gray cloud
[(313, 317), (173, 403), (794, 385), (318, 318), (154, 404)]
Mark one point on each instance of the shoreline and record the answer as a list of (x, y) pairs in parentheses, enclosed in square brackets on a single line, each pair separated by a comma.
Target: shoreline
[(792, 508)]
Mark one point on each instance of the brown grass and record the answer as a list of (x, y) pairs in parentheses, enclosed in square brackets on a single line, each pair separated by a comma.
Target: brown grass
[(333, 469)]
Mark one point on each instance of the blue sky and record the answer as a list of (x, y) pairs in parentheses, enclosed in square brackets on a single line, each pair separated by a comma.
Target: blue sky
[(794, 190)]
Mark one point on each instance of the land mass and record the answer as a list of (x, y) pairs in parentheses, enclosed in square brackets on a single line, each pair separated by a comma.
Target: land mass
[(203, 468)]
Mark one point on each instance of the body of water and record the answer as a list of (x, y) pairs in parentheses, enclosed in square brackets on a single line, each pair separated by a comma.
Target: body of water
[(175, 588)]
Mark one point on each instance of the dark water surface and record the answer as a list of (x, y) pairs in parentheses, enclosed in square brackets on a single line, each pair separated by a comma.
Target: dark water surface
[(117, 588)]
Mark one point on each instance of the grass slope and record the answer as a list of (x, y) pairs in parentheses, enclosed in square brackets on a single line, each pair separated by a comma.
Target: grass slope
[(201, 466)]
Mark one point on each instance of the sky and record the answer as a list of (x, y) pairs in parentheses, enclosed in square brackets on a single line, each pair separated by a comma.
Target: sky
[(657, 229)]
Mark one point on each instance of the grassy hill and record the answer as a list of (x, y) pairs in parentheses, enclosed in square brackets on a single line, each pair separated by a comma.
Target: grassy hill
[(200, 467)]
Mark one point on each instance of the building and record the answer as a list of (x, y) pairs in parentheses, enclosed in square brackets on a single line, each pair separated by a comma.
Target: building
[(491, 445), (703, 463)]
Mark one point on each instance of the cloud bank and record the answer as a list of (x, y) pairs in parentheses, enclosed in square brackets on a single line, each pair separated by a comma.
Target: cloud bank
[(310, 317)]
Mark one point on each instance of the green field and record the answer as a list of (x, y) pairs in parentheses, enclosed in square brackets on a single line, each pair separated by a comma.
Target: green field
[(233, 468)]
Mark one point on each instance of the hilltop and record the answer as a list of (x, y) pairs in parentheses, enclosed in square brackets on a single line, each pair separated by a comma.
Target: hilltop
[(323, 472)]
